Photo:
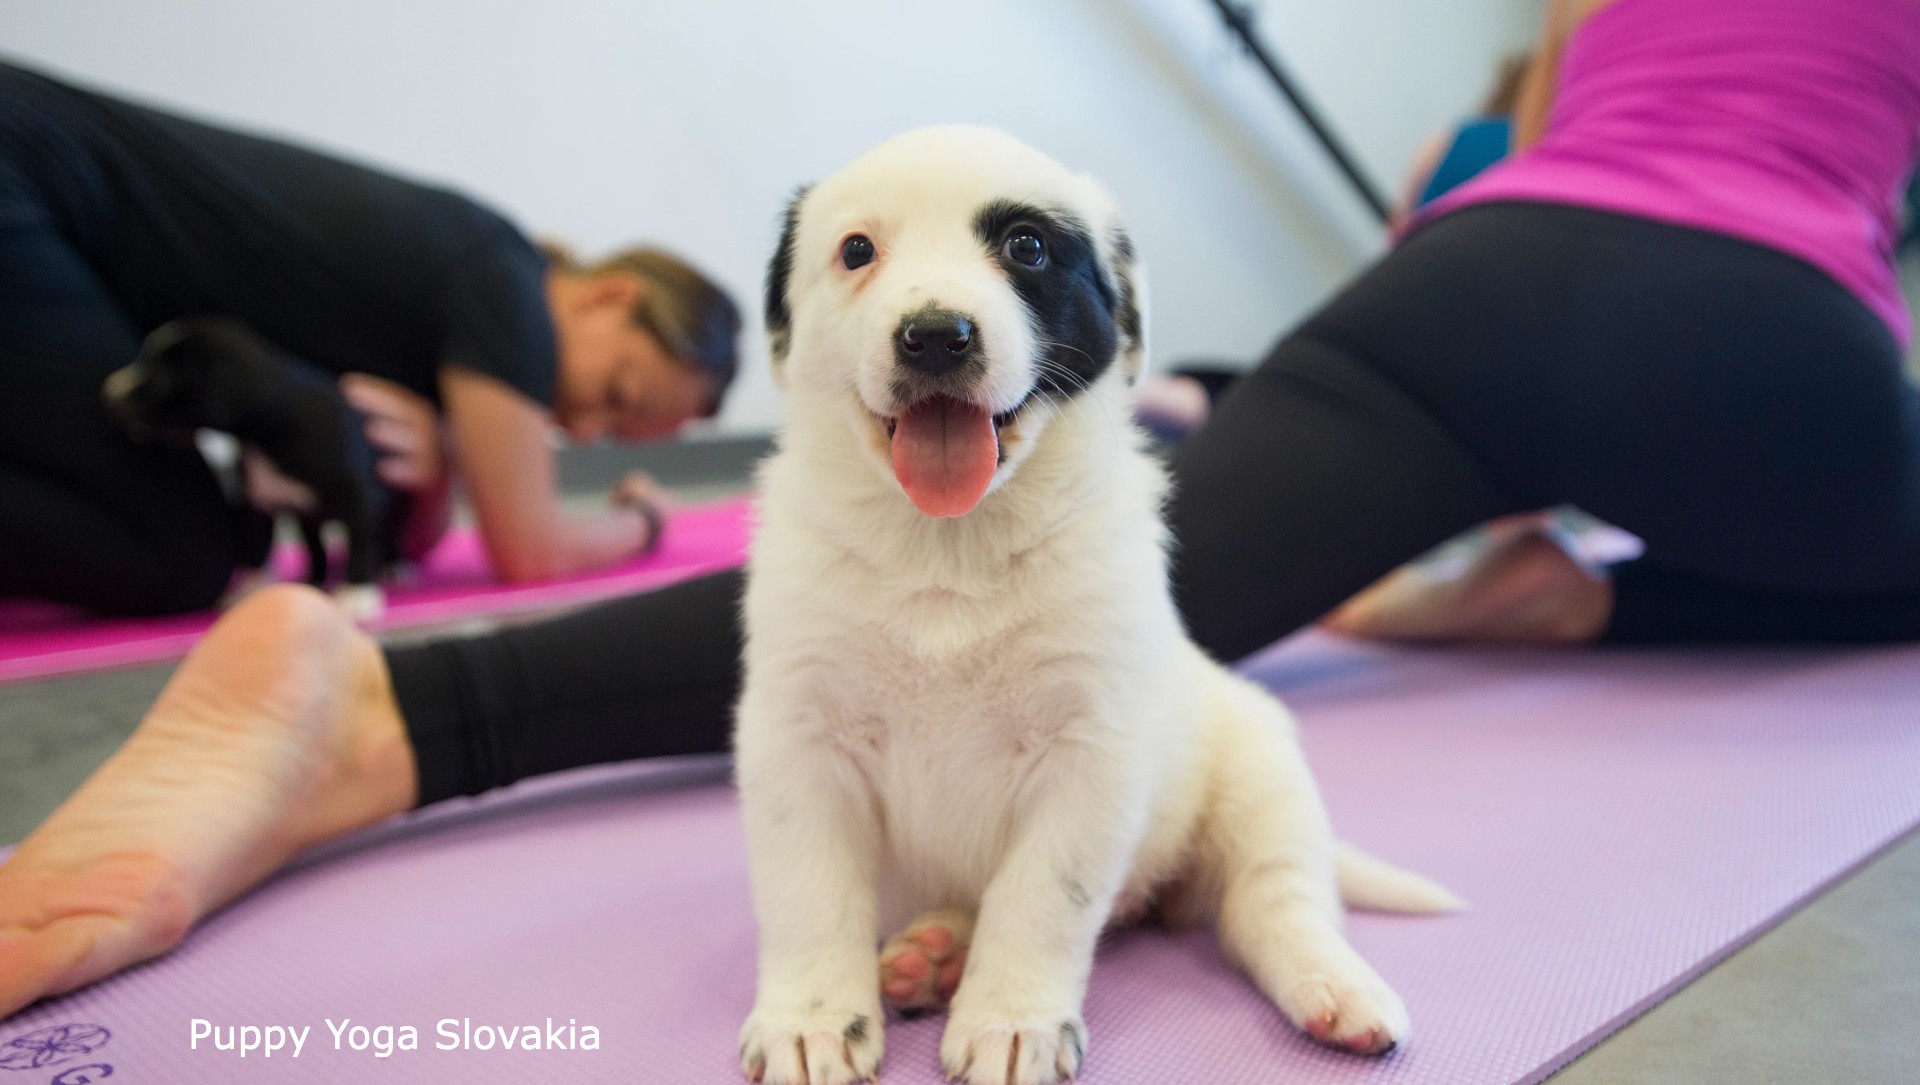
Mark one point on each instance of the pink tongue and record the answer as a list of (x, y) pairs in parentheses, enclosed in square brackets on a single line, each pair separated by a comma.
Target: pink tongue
[(944, 454)]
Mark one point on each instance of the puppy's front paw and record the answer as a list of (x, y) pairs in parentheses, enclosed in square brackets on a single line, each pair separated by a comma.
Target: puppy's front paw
[(812, 1047), (1355, 1011), (364, 603), (1013, 1050)]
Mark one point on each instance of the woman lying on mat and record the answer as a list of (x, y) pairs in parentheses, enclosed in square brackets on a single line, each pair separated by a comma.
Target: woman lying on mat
[(1676, 309), (115, 219)]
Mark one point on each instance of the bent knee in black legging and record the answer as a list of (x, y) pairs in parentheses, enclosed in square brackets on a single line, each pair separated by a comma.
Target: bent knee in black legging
[(1315, 476), (196, 584), (152, 554)]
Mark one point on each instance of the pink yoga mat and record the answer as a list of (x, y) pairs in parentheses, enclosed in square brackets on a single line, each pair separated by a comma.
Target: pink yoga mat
[(40, 640), (1619, 821)]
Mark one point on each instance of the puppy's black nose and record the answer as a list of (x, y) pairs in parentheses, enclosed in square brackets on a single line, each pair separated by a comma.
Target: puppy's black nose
[(934, 341)]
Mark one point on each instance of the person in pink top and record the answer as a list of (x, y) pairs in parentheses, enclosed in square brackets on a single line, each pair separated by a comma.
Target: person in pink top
[(1674, 308), (1787, 125)]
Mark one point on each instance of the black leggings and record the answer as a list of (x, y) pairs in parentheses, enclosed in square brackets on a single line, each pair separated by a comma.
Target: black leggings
[(1734, 407), (87, 517)]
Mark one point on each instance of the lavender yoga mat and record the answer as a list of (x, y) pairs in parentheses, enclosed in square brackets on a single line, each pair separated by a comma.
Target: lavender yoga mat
[(1619, 822), (40, 640)]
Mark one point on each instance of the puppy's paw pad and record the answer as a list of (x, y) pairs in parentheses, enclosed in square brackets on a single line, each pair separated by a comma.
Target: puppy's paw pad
[(363, 603), (817, 1047), (1013, 1053), (920, 967), (1363, 1016)]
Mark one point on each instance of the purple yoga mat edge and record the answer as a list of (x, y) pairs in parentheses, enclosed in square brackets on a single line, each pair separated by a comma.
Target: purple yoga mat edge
[(1711, 961)]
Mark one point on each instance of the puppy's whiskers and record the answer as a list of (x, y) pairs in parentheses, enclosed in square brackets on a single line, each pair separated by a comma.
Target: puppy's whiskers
[(1076, 382)]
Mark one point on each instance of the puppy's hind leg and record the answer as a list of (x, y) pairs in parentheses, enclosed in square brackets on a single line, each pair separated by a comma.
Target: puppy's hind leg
[(1280, 913), (920, 967)]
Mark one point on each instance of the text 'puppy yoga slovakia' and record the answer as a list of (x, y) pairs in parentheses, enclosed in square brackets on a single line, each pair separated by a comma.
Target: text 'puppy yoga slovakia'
[(971, 717)]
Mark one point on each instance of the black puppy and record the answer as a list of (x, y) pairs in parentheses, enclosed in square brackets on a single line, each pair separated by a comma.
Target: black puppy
[(213, 372)]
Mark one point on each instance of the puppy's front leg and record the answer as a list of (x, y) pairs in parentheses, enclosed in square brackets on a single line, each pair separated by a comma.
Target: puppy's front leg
[(1016, 1017), (812, 837)]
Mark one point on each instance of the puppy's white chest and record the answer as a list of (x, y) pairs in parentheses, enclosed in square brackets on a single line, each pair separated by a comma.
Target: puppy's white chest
[(947, 752)]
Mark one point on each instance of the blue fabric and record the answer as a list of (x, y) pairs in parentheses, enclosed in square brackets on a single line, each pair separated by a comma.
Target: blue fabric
[(1476, 145)]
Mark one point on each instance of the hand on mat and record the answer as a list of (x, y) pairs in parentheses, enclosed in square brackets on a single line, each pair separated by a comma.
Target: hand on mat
[(403, 427), (645, 495)]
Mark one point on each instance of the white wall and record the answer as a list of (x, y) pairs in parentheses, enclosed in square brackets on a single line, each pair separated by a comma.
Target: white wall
[(686, 123)]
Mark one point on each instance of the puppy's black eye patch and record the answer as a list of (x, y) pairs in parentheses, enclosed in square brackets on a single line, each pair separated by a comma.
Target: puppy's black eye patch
[(1025, 247), (856, 252), (1070, 302)]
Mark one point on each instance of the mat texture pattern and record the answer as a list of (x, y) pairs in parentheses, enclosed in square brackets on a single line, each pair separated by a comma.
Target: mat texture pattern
[(1619, 822), (41, 640)]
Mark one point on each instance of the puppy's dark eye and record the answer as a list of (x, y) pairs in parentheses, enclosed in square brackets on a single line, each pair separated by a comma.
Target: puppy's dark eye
[(856, 252), (1025, 248)]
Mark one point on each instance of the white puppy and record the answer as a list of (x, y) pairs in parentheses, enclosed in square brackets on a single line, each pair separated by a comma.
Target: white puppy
[(969, 700)]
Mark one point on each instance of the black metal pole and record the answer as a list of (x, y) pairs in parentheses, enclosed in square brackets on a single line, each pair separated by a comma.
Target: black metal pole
[(1239, 19)]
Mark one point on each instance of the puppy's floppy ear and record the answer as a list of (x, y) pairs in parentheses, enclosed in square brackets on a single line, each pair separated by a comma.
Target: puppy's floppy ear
[(779, 313), (1129, 280)]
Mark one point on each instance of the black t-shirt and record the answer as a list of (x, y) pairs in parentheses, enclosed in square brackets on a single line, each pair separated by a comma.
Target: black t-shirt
[(351, 269)]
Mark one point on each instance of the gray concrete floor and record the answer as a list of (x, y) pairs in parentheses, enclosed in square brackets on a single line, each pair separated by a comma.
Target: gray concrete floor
[(53, 733), (1829, 997)]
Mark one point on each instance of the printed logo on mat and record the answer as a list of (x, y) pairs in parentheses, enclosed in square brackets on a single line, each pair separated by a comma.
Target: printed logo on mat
[(54, 1046)]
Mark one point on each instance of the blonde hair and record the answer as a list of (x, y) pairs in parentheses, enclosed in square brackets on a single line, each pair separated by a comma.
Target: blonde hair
[(694, 319), (1503, 97)]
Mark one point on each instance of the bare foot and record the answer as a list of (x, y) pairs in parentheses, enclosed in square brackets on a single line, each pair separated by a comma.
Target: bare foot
[(920, 967), (277, 732), (1523, 589)]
